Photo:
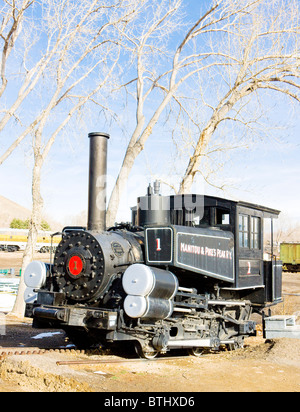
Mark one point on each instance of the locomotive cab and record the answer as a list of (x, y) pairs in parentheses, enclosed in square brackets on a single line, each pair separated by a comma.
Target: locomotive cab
[(197, 219)]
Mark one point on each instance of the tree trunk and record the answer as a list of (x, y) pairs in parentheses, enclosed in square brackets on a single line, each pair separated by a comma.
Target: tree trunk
[(195, 159), (37, 206), (135, 147), (219, 115), (113, 206)]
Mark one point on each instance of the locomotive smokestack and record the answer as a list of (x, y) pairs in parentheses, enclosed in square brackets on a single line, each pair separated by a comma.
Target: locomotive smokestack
[(97, 181)]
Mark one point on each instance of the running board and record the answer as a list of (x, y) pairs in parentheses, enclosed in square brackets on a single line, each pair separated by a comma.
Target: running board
[(197, 343)]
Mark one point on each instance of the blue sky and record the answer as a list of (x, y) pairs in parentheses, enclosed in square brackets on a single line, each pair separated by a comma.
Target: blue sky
[(268, 175)]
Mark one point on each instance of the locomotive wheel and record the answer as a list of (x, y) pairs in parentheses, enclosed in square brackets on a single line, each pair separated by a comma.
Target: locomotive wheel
[(195, 352), (145, 353), (81, 338)]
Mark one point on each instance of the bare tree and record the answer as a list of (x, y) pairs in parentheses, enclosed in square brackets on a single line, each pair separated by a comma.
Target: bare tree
[(164, 71), (12, 16), (72, 37), (256, 51), (234, 49), (171, 71), (147, 45), (81, 67)]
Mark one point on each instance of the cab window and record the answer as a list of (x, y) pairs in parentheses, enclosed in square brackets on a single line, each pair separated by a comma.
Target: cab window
[(255, 233), (243, 231)]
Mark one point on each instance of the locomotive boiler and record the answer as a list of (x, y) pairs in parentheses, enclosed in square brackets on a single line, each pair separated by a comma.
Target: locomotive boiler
[(187, 272)]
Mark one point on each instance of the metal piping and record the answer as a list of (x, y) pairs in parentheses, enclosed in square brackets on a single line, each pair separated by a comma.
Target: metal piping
[(97, 181)]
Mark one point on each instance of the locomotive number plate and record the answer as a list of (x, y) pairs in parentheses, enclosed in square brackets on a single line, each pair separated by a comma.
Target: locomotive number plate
[(159, 245)]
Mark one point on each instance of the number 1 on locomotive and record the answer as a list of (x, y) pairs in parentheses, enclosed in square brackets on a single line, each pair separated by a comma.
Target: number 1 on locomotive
[(158, 248)]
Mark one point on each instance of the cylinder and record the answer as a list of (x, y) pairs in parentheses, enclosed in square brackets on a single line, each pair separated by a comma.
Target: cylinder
[(97, 181), (147, 308), (142, 280), (49, 313)]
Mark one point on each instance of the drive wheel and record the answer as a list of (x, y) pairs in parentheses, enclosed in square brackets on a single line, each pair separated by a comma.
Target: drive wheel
[(81, 338), (195, 352), (145, 353)]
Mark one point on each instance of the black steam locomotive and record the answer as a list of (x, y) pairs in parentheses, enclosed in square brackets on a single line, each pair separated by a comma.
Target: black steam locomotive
[(187, 272)]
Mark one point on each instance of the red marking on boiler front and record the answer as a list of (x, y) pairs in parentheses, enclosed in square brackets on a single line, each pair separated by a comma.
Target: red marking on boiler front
[(75, 265)]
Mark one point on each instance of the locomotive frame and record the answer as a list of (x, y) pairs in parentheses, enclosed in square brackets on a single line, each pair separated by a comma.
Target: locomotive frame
[(187, 272)]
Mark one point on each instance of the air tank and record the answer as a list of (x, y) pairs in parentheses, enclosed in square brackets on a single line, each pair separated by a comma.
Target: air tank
[(150, 292), (142, 280), (145, 307)]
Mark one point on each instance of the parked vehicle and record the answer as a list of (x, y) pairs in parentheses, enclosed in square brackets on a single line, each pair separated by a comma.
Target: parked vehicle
[(13, 240), (290, 256)]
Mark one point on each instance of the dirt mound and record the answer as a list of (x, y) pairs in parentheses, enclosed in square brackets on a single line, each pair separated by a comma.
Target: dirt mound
[(32, 379), (272, 366), (283, 350)]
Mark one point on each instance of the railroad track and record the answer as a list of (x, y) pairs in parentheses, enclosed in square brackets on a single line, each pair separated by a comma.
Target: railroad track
[(6, 352)]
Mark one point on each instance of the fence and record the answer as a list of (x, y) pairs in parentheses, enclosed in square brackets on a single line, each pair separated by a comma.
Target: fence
[(11, 271)]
